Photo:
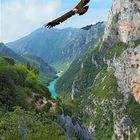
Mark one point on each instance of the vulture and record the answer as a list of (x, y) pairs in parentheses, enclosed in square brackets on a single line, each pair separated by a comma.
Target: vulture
[(81, 8)]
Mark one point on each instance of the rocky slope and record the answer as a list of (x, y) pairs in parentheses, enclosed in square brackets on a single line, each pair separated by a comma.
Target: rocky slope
[(123, 25), (125, 16), (56, 46), (106, 84), (71, 130)]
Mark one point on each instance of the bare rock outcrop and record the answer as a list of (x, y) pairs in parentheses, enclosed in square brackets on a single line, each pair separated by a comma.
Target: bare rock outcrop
[(127, 68), (123, 22), (80, 132)]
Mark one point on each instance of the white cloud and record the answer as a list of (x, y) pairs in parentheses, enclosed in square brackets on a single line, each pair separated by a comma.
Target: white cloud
[(19, 18)]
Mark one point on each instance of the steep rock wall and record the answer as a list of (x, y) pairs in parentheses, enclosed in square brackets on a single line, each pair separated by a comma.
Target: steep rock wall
[(124, 25), (123, 22), (127, 68)]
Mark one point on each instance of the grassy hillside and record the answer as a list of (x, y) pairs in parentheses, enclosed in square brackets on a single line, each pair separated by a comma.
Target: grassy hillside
[(100, 106), (23, 115), (46, 72), (91, 62), (27, 110), (18, 83), (21, 124)]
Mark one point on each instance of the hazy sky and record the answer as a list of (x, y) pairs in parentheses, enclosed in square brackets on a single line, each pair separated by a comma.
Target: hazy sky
[(20, 17)]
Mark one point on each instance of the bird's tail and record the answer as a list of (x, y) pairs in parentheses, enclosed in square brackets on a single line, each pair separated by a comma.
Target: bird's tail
[(83, 10)]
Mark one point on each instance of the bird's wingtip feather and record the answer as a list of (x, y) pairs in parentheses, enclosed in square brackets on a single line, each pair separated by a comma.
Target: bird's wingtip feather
[(47, 26)]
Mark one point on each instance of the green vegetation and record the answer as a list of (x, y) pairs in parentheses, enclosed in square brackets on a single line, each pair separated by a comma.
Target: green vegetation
[(98, 96), (17, 83), (133, 109), (61, 66), (46, 72), (135, 43), (20, 117), (116, 17), (106, 85), (85, 77), (114, 50), (138, 10), (105, 89), (21, 124)]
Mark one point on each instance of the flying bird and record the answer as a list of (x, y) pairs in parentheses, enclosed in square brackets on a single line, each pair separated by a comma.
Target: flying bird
[(81, 8)]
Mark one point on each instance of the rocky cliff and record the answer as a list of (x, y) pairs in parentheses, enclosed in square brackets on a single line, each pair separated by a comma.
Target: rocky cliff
[(123, 21), (73, 130), (127, 68), (123, 25), (106, 78)]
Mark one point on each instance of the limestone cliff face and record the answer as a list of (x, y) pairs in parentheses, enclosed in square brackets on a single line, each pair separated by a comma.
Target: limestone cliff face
[(124, 25), (125, 16), (127, 68), (135, 76)]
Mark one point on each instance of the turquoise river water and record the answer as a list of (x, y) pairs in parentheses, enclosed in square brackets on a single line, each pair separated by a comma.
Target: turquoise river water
[(52, 87)]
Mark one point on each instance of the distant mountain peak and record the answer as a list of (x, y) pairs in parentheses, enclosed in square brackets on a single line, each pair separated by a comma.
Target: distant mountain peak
[(5, 51), (56, 46)]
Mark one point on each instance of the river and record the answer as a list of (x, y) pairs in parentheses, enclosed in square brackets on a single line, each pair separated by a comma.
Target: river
[(52, 85)]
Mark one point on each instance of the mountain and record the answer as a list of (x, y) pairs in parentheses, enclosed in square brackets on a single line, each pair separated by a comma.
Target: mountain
[(104, 81), (56, 46), (80, 73), (27, 110), (46, 71), (21, 97), (41, 64), (87, 27), (5, 51)]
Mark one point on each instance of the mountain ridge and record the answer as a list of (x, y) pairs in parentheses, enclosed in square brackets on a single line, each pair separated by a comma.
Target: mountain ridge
[(56, 46), (5, 51), (46, 71)]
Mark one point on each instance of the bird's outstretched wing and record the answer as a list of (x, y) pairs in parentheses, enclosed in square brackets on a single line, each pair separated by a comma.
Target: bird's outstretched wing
[(82, 3), (81, 9), (60, 19)]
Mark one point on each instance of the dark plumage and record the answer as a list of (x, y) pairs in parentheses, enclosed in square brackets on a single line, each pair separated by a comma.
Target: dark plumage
[(80, 9)]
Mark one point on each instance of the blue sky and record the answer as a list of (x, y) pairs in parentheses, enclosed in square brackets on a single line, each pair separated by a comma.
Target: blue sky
[(21, 17)]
